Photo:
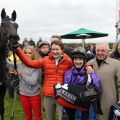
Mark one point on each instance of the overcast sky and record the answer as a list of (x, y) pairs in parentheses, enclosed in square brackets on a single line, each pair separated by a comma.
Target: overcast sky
[(43, 18)]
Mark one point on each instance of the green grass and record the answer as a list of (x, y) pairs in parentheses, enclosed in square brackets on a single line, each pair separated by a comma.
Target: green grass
[(18, 112)]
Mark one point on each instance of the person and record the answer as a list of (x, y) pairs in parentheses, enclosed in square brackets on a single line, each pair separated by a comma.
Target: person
[(108, 70), (66, 49), (29, 88), (11, 74), (54, 66), (39, 41), (25, 42), (92, 48), (32, 42), (55, 38), (73, 77), (43, 48), (116, 52), (89, 55)]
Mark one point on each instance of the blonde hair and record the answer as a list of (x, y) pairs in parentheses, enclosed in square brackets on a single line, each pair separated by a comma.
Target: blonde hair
[(35, 54)]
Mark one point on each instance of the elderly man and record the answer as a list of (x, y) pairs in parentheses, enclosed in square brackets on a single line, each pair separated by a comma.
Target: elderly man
[(108, 70)]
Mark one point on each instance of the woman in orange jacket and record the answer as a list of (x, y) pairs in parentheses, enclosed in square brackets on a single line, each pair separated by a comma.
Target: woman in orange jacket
[(54, 66)]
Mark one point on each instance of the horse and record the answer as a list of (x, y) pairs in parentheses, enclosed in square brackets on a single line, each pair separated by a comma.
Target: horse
[(8, 34)]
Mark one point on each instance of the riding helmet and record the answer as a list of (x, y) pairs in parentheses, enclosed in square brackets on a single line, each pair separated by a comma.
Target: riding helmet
[(78, 53)]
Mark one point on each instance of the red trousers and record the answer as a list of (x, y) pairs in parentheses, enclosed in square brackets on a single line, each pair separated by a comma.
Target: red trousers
[(29, 104)]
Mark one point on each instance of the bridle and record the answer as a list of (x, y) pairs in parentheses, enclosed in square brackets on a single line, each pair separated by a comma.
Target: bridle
[(3, 32), (7, 41)]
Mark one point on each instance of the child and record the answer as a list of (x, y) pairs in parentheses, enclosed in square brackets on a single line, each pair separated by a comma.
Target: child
[(43, 48)]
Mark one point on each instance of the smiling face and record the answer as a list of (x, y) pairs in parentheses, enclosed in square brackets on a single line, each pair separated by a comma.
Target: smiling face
[(101, 51), (78, 62), (29, 53), (56, 51)]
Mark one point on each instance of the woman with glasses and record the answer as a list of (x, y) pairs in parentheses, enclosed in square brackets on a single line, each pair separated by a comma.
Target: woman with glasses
[(29, 88)]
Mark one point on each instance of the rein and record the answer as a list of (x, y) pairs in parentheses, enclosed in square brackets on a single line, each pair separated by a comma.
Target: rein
[(15, 65), (16, 88)]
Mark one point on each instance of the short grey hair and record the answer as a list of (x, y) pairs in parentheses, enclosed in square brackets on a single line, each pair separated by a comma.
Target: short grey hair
[(104, 44)]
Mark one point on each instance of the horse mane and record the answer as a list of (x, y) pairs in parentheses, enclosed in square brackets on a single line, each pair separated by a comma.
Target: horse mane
[(3, 53)]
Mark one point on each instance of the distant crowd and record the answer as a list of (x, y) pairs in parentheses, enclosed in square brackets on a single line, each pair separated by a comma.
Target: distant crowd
[(89, 48)]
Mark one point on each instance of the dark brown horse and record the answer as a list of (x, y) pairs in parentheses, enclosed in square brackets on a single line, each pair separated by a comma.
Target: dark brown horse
[(8, 33)]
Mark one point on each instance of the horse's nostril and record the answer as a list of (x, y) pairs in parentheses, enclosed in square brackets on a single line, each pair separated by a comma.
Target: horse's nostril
[(11, 37), (15, 37)]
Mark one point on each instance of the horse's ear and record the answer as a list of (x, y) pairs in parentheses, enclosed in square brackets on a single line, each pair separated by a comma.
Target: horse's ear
[(3, 13), (14, 15)]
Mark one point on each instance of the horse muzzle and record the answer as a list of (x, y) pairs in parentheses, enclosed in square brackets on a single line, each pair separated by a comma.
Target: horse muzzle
[(13, 37)]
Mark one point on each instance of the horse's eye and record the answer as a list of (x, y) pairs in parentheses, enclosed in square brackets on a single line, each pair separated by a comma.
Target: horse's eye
[(16, 25)]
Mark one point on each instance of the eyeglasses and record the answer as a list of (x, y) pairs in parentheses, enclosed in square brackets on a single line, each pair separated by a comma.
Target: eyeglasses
[(28, 53)]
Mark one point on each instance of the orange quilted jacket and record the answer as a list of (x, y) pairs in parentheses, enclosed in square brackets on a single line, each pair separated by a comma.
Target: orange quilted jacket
[(52, 74)]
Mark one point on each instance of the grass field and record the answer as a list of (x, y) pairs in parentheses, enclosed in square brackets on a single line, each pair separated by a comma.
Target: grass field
[(18, 113)]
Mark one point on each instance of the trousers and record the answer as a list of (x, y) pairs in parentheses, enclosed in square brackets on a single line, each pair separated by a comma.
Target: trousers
[(51, 105), (29, 104)]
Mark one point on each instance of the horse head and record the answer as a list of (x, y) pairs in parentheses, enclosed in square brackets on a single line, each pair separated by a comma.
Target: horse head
[(9, 27)]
